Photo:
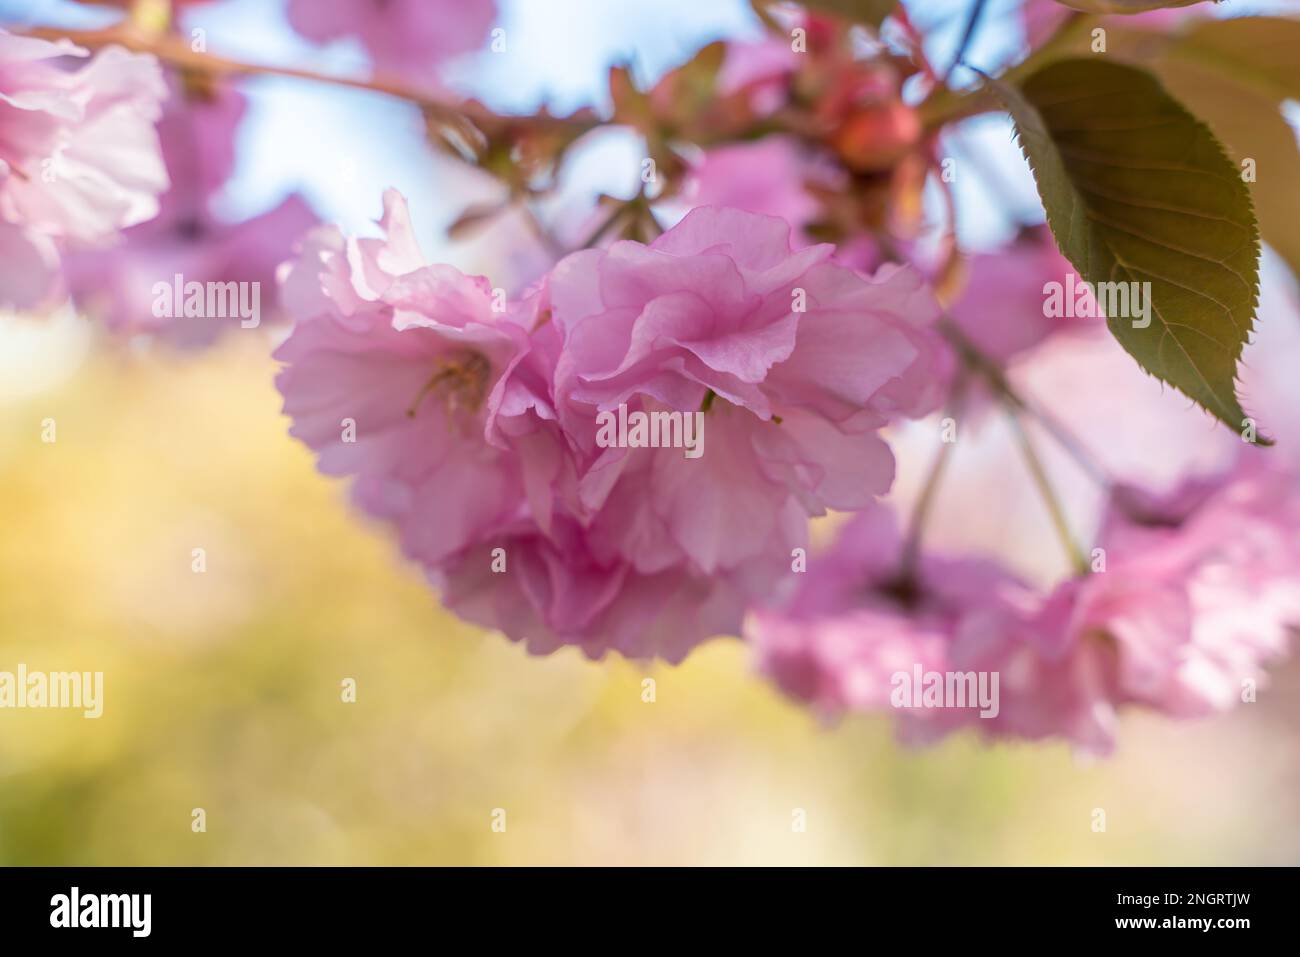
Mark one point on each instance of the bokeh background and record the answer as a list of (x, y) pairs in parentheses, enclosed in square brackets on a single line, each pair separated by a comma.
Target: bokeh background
[(222, 689)]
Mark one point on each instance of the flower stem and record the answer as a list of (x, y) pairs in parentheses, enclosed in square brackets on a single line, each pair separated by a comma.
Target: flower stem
[(925, 503), (992, 373), (1050, 499)]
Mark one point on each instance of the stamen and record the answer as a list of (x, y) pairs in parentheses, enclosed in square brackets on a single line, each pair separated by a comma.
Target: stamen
[(460, 378)]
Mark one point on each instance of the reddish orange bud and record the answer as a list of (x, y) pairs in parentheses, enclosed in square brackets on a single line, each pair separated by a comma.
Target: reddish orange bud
[(875, 138)]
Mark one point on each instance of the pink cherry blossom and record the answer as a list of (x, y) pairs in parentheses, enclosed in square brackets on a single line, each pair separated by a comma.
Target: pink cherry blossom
[(410, 38), (709, 315), (707, 308), (416, 360), (397, 392), (79, 156), (548, 579), (79, 150), (186, 237), (474, 422)]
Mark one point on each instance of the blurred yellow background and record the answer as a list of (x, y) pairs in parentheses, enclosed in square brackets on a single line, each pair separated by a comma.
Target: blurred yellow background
[(223, 689)]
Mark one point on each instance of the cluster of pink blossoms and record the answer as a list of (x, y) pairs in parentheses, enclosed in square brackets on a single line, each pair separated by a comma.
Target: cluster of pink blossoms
[(79, 157), (1198, 593), (186, 237), (107, 179), (471, 424)]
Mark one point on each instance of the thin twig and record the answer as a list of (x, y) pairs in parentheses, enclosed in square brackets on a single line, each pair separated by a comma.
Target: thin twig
[(176, 51), (992, 373), (553, 246), (1049, 496), (972, 24), (924, 504)]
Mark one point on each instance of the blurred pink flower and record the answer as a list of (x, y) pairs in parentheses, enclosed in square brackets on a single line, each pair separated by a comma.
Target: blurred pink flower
[(1042, 18), (198, 134), (763, 69), (116, 284), (764, 177), (29, 269), (773, 176), (198, 130), (1201, 588), (409, 38), (1002, 308), (858, 618), (79, 156)]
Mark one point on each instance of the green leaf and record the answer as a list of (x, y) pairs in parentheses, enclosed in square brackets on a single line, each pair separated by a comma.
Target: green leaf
[(1123, 6), (1235, 75), (1138, 190)]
